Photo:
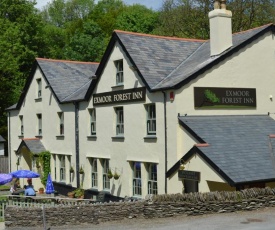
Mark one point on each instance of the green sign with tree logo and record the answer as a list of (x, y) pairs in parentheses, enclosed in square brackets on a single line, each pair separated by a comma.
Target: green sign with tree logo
[(224, 98)]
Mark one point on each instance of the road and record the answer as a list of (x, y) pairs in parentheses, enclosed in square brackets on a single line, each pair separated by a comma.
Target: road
[(263, 219)]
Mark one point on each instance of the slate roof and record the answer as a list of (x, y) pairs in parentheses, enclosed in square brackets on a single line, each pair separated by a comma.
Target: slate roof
[(34, 145), (167, 62), (2, 139), (69, 80), (239, 146)]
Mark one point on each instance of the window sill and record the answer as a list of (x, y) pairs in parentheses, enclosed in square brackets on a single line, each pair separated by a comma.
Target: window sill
[(150, 137), (116, 87), (118, 138), (93, 189), (38, 99), (91, 137), (20, 136), (38, 136), (60, 136)]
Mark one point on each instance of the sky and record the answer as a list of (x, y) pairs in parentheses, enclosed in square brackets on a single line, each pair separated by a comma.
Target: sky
[(154, 4)]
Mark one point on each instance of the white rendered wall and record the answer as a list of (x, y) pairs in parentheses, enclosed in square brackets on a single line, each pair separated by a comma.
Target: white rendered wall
[(49, 108), (134, 147)]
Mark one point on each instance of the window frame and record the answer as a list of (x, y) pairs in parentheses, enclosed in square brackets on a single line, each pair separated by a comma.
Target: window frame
[(137, 181), (21, 125), (94, 173), (151, 122), (119, 72), (55, 167), (119, 122), (105, 178), (61, 123), (92, 113), (39, 123), (152, 179), (62, 168), (39, 88)]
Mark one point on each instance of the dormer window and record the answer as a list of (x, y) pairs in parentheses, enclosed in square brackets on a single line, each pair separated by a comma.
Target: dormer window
[(119, 72), (39, 88)]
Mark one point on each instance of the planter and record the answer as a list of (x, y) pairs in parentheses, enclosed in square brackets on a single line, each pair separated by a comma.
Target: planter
[(116, 176), (70, 194)]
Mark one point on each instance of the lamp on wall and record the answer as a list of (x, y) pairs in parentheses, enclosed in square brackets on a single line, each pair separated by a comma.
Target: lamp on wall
[(181, 165)]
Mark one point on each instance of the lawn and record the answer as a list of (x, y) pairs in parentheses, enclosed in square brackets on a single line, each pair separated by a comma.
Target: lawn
[(4, 187)]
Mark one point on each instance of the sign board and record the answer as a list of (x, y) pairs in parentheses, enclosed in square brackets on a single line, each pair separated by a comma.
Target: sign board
[(189, 175), (120, 96), (224, 98)]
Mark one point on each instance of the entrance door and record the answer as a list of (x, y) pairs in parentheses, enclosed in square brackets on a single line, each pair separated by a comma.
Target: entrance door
[(191, 186)]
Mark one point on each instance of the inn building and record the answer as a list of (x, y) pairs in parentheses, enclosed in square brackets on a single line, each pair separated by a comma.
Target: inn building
[(160, 114)]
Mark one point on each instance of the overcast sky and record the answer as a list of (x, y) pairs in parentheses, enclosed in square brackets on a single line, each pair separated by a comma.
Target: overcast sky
[(154, 4)]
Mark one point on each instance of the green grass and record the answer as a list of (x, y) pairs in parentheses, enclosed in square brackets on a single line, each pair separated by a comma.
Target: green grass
[(4, 187)]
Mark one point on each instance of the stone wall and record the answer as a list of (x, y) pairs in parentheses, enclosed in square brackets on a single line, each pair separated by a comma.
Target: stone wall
[(159, 206)]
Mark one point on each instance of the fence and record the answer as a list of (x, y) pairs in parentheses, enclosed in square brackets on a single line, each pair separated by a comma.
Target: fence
[(39, 201)]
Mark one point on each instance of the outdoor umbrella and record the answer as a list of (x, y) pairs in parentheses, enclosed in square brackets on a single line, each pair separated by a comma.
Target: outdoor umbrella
[(5, 178), (49, 185), (24, 174)]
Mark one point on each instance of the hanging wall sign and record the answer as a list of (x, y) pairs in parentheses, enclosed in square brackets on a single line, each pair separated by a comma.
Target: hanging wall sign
[(224, 98), (120, 96), (189, 175)]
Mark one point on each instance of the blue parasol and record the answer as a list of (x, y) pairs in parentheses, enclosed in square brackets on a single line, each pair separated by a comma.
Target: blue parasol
[(49, 185), (24, 174), (5, 178)]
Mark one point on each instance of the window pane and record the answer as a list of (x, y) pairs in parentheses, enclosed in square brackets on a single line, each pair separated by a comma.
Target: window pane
[(119, 72), (151, 119), (137, 179), (120, 121), (106, 180), (93, 121), (152, 179), (94, 172)]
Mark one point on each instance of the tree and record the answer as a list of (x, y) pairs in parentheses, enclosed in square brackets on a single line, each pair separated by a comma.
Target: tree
[(87, 44), (189, 18), (137, 18), (105, 14), (20, 40), (248, 14)]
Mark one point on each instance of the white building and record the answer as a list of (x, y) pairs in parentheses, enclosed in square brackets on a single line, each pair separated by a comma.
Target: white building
[(2, 146), (154, 104)]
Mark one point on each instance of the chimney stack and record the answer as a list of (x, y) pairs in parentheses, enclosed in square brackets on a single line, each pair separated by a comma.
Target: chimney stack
[(220, 28)]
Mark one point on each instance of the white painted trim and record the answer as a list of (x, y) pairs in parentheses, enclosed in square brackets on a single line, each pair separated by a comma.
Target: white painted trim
[(67, 154), (97, 156), (142, 160)]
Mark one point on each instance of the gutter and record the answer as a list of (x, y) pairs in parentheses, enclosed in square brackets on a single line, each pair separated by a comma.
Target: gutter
[(76, 104), (165, 141)]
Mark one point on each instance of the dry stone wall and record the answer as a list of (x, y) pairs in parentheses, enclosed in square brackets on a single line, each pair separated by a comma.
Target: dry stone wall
[(159, 206)]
